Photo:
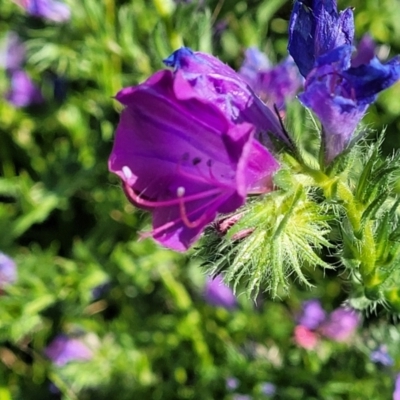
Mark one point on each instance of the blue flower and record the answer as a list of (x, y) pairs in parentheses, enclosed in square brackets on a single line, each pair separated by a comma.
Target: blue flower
[(315, 28)]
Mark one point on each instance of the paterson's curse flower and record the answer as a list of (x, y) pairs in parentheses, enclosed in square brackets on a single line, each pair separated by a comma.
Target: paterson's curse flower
[(315, 28), (274, 85), (218, 294), (218, 83), (64, 349), (49, 9), (183, 159)]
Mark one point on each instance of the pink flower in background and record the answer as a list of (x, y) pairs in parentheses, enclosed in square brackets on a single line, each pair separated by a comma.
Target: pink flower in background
[(305, 338), (64, 349)]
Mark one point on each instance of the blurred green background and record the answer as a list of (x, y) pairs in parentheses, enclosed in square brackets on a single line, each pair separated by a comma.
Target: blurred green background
[(67, 224)]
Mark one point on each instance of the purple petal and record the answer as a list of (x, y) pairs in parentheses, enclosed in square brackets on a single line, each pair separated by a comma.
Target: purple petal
[(365, 51), (312, 314), (63, 350), (218, 83), (315, 28), (8, 270), (49, 9), (218, 294), (182, 159), (13, 52), (396, 393), (341, 324), (381, 356), (23, 91)]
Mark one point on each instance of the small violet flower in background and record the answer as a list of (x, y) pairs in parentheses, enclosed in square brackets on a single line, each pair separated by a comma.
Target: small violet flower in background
[(23, 92), (268, 389), (218, 294), (337, 89), (51, 10), (313, 322), (202, 162), (8, 271), (64, 349), (274, 85), (232, 383), (381, 356), (396, 393)]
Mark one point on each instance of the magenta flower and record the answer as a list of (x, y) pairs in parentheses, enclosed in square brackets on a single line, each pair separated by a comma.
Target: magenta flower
[(181, 158), (8, 271), (316, 28), (274, 85), (225, 88), (63, 350), (220, 295), (49, 9)]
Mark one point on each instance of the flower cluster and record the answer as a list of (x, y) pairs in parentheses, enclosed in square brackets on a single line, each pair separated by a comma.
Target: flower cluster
[(313, 321)]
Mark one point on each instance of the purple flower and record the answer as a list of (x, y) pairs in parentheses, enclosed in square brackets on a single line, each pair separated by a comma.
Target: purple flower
[(13, 53), (218, 294), (316, 28), (63, 350), (221, 85), (180, 157), (381, 356), (340, 96), (396, 393), (312, 314), (23, 92), (365, 51), (49, 9), (274, 85), (340, 324), (232, 383), (268, 388), (8, 271)]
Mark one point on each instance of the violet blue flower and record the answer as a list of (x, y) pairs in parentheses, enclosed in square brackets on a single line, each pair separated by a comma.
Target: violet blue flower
[(218, 294), (381, 356), (12, 53), (63, 350), (225, 88), (340, 325), (316, 28), (180, 157), (49, 9), (232, 383), (312, 314), (23, 92), (340, 96), (268, 389), (396, 393), (8, 271), (274, 85)]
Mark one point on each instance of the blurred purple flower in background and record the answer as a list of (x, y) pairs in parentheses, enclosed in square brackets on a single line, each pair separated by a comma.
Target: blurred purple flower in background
[(381, 356), (268, 389), (201, 164), (339, 325), (232, 383), (49, 9), (312, 314), (273, 84), (396, 393), (8, 271), (218, 294), (63, 350), (22, 92)]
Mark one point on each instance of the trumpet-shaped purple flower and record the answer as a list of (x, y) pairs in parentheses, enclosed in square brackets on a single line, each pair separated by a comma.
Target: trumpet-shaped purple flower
[(180, 157), (64, 349), (220, 295), (274, 85), (221, 85), (340, 96), (49, 9), (8, 271), (316, 28)]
